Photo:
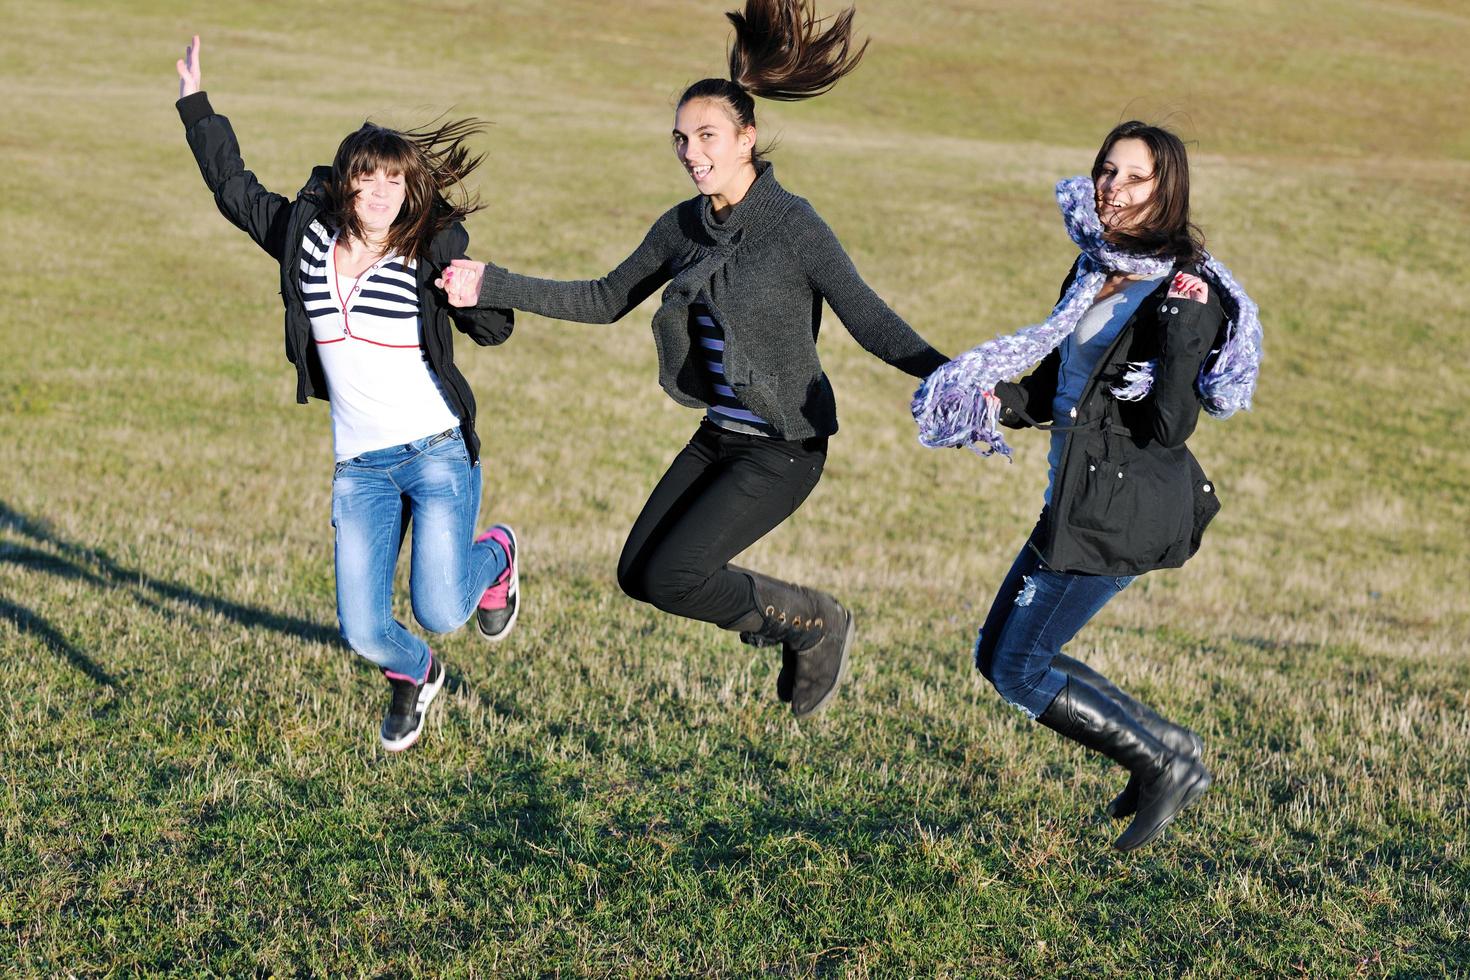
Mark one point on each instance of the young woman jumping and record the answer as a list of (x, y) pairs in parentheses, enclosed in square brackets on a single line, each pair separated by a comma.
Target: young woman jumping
[(748, 264), (1148, 328), (358, 248)]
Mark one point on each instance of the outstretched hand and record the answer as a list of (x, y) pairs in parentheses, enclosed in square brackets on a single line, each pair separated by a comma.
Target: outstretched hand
[(461, 280), (188, 67)]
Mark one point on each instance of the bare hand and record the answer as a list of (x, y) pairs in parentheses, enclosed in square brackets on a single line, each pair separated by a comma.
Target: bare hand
[(461, 281), (188, 67), (1186, 286)]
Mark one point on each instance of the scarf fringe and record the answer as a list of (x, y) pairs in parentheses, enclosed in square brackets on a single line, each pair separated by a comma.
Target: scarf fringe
[(1138, 381)]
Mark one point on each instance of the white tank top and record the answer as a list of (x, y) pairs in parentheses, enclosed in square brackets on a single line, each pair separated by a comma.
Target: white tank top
[(367, 332)]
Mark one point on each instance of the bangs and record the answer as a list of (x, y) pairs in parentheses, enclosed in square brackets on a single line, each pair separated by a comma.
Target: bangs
[(430, 162), (375, 148)]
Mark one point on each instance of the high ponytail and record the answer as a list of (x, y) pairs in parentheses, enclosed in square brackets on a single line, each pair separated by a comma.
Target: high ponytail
[(781, 51)]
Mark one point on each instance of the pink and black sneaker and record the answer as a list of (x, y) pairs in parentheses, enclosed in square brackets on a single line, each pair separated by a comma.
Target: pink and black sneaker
[(409, 705), (501, 603)]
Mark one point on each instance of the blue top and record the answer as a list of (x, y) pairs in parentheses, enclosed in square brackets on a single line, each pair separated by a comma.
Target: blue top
[(1081, 351)]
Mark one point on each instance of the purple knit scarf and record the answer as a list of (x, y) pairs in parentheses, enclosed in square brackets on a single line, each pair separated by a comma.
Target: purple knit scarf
[(950, 407)]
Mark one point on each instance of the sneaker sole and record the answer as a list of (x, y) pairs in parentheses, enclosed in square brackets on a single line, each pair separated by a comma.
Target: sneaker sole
[(826, 699), (514, 589), (399, 745)]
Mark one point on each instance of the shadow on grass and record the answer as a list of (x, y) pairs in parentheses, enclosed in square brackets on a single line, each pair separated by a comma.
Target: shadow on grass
[(28, 622), (94, 566)]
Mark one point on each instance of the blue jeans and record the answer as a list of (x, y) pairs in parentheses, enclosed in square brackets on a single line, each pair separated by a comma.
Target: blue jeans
[(1035, 613), (431, 483)]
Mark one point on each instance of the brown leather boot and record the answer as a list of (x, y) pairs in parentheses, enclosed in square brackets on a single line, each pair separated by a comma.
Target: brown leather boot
[(815, 633)]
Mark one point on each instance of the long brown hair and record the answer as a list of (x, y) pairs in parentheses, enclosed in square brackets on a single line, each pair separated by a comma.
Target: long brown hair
[(781, 51), (434, 162), (1162, 222)]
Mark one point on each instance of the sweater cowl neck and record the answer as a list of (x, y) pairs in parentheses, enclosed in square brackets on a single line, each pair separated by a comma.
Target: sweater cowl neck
[(760, 208)]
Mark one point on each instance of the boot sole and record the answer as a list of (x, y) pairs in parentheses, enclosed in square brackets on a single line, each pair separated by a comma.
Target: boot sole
[(1191, 794), (826, 699)]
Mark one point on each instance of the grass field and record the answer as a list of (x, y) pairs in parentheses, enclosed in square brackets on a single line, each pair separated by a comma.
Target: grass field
[(192, 782)]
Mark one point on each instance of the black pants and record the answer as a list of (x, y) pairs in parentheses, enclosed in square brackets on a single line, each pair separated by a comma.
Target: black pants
[(722, 493)]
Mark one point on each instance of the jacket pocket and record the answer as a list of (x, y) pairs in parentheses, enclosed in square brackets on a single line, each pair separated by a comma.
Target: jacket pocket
[(1093, 503), (1133, 509)]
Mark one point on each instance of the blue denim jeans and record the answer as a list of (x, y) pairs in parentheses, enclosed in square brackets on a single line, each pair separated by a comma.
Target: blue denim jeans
[(1036, 612), (430, 484)]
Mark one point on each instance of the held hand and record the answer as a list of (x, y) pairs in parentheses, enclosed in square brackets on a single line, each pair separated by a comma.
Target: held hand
[(992, 406), (461, 280), (1186, 286), (188, 67)]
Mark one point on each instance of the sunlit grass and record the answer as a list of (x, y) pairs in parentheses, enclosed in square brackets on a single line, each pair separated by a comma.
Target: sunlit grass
[(192, 781)]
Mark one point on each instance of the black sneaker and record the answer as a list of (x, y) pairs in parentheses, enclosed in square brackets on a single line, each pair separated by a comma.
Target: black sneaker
[(410, 703), (501, 602)]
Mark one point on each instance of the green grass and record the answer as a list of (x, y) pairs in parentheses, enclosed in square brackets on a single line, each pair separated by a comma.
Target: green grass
[(191, 779)]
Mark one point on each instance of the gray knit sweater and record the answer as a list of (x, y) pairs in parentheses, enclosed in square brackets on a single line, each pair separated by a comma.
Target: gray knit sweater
[(764, 272)]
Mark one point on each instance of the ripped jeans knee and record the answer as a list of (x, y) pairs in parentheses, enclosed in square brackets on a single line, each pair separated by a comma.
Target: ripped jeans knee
[(1036, 612)]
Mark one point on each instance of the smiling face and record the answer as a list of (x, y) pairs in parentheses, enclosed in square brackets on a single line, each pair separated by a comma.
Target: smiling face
[(378, 201), (715, 152), (1124, 184)]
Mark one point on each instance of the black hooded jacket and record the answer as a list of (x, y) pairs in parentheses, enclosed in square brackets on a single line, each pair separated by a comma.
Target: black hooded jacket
[(277, 223)]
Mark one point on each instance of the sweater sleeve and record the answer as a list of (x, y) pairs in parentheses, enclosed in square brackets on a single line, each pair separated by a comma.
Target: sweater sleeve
[(602, 300), (239, 196), (872, 323)]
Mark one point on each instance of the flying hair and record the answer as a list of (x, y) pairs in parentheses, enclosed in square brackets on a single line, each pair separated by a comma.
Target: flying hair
[(434, 162), (783, 52)]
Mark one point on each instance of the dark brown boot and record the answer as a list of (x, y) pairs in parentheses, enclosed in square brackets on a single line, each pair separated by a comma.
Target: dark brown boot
[(815, 633)]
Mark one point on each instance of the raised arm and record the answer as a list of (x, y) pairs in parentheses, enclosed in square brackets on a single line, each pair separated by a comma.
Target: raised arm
[(239, 196), (602, 300), (881, 332)]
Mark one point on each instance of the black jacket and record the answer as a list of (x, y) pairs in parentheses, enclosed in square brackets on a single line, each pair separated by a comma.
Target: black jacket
[(277, 224), (1128, 495)]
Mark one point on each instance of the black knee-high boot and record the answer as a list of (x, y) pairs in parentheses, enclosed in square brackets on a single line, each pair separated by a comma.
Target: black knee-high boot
[(1176, 737), (815, 633), (1168, 781)]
